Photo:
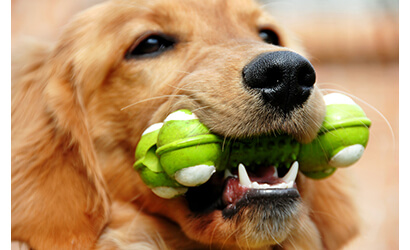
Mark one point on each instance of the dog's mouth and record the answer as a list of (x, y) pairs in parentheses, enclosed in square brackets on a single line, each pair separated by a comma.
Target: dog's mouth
[(213, 175), (230, 191)]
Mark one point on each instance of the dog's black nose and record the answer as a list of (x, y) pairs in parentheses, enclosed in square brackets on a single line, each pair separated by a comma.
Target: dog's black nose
[(283, 78)]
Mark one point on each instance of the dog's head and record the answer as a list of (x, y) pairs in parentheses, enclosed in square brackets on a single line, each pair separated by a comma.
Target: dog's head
[(134, 62)]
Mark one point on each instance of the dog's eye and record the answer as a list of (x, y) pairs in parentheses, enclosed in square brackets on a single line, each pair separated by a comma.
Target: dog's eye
[(269, 36), (150, 46)]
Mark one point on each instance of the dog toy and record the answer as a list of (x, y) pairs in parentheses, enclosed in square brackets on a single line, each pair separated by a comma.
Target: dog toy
[(182, 152)]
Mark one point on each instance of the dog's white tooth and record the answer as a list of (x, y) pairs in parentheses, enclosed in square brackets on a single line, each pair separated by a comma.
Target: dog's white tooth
[(280, 185), (289, 185), (291, 175), (227, 173), (243, 176), (254, 185), (276, 173), (264, 186)]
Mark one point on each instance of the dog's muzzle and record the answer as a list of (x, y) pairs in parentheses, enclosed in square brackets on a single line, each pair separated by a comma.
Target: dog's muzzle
[(283, 79)]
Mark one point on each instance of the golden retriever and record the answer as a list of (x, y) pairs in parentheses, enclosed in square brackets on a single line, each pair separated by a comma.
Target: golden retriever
[(80, 106)]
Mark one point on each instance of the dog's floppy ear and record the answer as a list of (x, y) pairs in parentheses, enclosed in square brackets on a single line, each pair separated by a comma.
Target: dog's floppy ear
[(59, 198)]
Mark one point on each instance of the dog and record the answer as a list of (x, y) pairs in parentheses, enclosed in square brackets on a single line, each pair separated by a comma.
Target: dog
[(79, 108)]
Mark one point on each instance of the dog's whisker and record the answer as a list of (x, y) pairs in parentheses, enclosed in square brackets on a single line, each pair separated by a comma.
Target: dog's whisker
[(176, 105), (200, 108), (246, 241), (135, 198), (305, 228), (224, 142), (149, 99), (324, 86), (183, 72), (229, 236), (324, 213), (179, 88), (274, 238), (187, 72), (213, 233)]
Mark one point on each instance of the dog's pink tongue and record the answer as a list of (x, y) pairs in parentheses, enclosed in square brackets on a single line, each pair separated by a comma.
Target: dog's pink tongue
[(265, 175), (235, 190)]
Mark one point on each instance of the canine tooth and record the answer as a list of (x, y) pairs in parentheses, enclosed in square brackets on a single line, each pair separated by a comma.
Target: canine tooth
[(227, 173), (243, 176), (276, 173), (290, 177)]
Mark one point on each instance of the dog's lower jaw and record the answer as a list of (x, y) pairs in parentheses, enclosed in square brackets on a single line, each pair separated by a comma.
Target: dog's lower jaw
[(259, 226), (296, 232), (252, 227)]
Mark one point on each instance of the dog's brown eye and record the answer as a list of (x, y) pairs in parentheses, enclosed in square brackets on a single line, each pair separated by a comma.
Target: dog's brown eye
[(269, 36), (150, 46)]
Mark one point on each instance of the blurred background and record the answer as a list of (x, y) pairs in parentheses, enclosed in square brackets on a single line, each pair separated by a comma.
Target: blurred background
[(354, 46)]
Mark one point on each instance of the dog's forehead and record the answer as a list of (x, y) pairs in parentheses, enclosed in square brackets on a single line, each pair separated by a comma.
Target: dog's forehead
[(195, 17), (123, 21), (203, 10), (107, 31)]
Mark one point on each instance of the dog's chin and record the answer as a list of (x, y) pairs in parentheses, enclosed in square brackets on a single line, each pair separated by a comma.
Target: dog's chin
[(242, 215), (266, 217)]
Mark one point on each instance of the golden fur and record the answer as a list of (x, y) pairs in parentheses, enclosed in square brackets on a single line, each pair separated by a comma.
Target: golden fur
[(79, 108)]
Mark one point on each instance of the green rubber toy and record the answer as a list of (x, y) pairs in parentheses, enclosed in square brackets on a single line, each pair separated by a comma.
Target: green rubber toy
[(182, 152), (150, 168)]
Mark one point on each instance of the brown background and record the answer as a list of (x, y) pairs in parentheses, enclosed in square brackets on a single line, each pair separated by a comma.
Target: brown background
[(354, 51)]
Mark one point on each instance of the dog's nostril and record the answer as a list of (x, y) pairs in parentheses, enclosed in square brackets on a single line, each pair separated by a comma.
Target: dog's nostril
[(306, 75), (283, 78)]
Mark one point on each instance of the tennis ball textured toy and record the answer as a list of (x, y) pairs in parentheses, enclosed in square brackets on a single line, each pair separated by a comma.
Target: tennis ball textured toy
[(182, 152), (187, 150), (150, 168)]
